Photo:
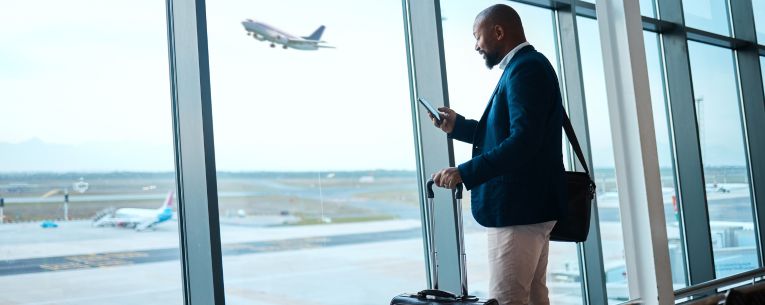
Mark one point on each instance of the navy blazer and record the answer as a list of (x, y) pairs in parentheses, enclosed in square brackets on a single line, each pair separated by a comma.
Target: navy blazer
[(516, 175)]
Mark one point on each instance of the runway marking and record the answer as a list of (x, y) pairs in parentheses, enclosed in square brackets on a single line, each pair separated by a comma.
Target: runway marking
[(105, 260)]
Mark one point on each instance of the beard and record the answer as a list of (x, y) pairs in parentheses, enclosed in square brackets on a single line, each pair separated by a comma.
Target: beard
[(491, 59)]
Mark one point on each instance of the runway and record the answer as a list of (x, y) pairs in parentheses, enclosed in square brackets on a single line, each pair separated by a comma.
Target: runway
[(98, 260)]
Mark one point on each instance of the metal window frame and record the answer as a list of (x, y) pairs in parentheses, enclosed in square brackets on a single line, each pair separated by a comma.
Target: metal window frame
[(590, 252), (195, 160), (199, 230), (427, 76), (635, 154), (752, 107), (689, 172)]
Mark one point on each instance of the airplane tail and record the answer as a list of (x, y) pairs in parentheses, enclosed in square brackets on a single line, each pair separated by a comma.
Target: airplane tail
[(316, 34), (168, 201)]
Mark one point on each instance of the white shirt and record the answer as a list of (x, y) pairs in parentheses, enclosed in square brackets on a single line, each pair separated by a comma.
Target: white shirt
[(509, 56)]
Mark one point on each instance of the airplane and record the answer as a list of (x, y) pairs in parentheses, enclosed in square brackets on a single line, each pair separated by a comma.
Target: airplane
[(263, 32), (138, 219)]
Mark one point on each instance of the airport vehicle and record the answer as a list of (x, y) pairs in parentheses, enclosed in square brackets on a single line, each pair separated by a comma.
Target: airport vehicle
[(138, 219), (265, 32)]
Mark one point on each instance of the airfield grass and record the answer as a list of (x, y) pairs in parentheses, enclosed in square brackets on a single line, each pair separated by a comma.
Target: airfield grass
[(266, 198)]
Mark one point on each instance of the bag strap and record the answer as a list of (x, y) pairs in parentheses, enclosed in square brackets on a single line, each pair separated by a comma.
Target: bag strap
[(571, 135)]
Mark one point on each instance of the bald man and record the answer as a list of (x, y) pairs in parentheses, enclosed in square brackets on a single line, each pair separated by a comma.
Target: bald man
[(516, 173)]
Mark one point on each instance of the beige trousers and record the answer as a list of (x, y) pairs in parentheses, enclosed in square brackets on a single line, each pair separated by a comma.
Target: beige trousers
[(518, 263)]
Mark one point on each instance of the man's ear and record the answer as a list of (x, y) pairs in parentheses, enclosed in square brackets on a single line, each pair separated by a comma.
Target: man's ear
[(499, 32)]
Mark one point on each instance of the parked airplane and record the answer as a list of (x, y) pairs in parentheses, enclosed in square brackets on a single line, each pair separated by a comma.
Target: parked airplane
[(263, 32), (139, 219)]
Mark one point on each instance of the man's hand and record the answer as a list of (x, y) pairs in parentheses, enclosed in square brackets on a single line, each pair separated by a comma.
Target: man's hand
[(448, 117), (447, 177)]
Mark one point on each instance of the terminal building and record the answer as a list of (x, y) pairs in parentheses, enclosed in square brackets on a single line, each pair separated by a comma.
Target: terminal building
[(275, 153)]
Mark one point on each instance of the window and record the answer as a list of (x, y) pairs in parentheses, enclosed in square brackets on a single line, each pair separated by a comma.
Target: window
[(758, 8), (646, 7), (762, 69), (666, 164), (708, 15), (316, 167), (470, 85), (723, 153), (603, 160), (86, 155)]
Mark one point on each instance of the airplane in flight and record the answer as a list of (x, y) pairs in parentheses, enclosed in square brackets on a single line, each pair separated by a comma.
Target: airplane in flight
[(265, 32), (138, 219)]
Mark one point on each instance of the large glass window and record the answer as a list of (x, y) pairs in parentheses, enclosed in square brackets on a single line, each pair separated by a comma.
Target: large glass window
[(723, 152), (758, 7), (470, 86), (762, 69), (603, 160), (646, 7), (86, 155), (313, 132), (666, 163), (708, 15)]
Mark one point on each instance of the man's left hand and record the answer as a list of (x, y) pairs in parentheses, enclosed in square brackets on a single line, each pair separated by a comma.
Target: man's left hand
[(447, 178)]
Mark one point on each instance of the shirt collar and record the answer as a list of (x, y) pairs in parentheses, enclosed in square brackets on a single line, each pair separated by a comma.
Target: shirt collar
[(509, 56)]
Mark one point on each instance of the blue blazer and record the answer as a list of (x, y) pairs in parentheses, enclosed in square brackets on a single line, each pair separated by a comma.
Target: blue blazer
[(516, 174)]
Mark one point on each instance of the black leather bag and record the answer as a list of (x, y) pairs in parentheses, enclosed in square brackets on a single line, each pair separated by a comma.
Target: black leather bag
[(574, 225)]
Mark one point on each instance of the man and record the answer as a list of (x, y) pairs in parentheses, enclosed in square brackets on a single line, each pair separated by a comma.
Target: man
[(516, 175)]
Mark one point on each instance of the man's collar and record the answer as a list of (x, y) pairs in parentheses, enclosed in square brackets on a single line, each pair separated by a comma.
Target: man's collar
[(505, 61)]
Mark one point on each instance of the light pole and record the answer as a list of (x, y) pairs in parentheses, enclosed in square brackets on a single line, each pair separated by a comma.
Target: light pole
[(66, 205), (700, 119)]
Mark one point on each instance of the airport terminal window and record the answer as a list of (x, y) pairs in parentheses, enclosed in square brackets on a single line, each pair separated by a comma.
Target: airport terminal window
[(87, 214), (470, 85), (762, 70), (723, 153), (708, 15), (758, 7), (317, 188), (666, 164), (603, 160), (646, 7)]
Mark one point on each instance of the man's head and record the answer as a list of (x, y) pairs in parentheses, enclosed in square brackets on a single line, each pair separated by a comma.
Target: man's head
[(497, 30)]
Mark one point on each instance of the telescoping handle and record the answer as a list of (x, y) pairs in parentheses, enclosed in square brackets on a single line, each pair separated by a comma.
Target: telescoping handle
[(430, 217)]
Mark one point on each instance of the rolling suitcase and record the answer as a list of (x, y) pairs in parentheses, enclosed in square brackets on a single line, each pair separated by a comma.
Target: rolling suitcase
[(434, 296)]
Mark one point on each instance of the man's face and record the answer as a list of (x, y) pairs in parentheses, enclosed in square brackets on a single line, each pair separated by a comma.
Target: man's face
[(486, 43)]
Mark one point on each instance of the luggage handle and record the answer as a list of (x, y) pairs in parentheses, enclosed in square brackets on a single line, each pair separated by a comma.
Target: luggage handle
[(460, 238), (440, 294)]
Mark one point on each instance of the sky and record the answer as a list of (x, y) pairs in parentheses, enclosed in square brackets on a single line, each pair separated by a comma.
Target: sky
[(84, 86)]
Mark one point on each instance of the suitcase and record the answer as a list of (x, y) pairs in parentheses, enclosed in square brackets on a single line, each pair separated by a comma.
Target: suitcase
[(434, 296)]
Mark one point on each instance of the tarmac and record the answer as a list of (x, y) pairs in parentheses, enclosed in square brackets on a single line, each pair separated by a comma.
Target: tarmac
[(353, 263)]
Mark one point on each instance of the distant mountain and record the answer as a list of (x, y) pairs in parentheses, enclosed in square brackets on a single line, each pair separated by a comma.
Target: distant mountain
[(35, 155)]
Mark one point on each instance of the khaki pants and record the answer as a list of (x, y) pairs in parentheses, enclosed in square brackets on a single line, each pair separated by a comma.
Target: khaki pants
[(518, 263)]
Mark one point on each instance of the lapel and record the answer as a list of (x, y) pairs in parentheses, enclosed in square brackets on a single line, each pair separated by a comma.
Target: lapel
[(482, 122)]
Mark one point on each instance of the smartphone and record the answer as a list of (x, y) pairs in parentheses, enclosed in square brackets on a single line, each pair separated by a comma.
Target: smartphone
[(432, 110)]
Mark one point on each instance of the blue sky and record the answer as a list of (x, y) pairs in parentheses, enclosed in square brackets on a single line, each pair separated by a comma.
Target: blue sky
[(94, 75)]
